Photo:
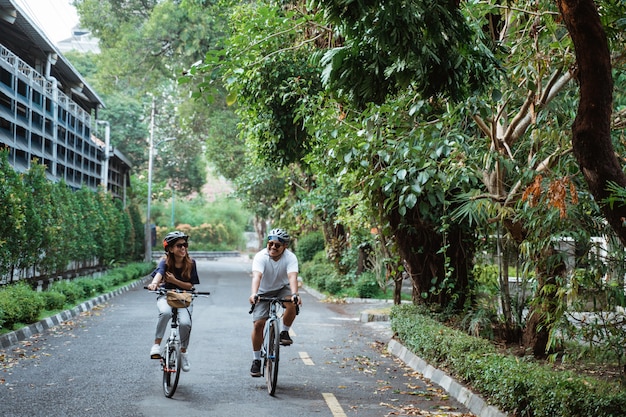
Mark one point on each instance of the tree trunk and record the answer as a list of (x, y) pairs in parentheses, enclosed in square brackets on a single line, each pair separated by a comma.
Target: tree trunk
[(591, 131), (542, 315), (260, 227), (419, 245)]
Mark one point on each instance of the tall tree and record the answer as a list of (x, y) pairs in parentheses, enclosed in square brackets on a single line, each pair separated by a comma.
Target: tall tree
[(591, 131)]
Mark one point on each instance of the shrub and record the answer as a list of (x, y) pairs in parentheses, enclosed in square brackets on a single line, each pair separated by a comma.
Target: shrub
[(309, 245), (515, 385), (116, 278), (333, 283), (53, 300), (20, 304), (367, 285), (70, 290), (87, 287), (314, 274)]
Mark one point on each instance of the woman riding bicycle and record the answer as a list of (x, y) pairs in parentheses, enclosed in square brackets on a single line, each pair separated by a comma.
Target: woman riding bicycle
[(274, 274), (176, 270)]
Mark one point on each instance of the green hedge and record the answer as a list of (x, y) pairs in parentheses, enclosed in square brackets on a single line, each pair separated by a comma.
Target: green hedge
[(21, 305), (519, 387)]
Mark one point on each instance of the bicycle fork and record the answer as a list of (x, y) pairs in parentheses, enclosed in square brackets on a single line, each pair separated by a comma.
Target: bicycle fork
[(266, 339), (170, 345)]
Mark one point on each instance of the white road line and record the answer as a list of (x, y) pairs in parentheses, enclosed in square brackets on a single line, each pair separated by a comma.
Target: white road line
[(333, 404), (306, 358)]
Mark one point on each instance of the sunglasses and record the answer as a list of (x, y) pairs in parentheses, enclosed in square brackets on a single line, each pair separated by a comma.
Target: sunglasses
[(274, 244), (182, 245)]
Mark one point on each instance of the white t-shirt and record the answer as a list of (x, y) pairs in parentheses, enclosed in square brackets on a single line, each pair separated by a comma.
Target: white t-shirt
[(274, 272)]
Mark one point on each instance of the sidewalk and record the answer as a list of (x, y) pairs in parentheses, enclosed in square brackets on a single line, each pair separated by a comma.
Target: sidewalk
[(376, 313)]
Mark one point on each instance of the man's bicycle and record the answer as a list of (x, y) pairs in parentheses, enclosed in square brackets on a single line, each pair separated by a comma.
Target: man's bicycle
[(171, 361), (270, 349)]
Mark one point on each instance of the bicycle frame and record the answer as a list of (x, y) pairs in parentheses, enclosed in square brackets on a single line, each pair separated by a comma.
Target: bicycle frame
[(171, 359), (270, 349), (172, 355)]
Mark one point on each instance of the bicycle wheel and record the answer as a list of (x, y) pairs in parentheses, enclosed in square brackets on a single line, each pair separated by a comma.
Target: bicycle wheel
[(273, 354), (171, 369)]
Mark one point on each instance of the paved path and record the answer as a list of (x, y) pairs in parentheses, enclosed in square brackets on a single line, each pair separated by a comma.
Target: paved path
[(95, 362)]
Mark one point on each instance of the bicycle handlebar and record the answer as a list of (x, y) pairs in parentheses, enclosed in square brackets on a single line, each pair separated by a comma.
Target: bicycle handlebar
[(165, 290), (275, 299)]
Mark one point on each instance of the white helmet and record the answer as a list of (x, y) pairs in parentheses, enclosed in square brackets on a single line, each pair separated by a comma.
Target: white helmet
[(280, 235)]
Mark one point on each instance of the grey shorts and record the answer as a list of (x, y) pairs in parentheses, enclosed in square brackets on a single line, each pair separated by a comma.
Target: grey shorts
[(262, 308)]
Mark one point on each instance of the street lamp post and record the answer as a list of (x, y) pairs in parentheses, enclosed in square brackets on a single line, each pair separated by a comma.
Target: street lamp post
[(148, 229)]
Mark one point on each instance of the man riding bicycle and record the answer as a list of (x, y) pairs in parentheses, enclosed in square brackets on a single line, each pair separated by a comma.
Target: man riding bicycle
[(274, 274)]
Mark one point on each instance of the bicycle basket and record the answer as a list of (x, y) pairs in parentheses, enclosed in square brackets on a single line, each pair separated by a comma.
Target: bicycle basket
[(178, 299)]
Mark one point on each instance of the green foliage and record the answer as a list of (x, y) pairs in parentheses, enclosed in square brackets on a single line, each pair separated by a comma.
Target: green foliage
[(72, 291), (53, 300), (513, 385), (13, 213), (215, 225), (384, 49), (334, 283), (367, 285), (316, 273), (309, 245), (52, 226), (19, 304), (260, 189)]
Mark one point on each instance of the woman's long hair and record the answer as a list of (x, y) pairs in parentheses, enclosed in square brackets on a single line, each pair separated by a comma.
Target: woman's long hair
[(170, 263)]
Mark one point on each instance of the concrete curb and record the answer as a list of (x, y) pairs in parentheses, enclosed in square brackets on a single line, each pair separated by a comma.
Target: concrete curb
[(472, 401), (10, 339)]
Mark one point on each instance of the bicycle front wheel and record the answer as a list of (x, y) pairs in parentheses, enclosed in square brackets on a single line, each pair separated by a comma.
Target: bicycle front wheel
[(171, 369), (273, 353)]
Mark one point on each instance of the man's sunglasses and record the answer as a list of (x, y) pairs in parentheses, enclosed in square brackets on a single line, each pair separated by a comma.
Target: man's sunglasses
[(277, 245), (182, 245)]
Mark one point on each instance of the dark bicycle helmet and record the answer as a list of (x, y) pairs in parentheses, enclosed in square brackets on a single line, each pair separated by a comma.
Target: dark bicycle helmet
[(172, 237), (279, 234)]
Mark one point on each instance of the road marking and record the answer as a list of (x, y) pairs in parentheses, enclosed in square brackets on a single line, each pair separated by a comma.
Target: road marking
[(334, 405), (306, 358)]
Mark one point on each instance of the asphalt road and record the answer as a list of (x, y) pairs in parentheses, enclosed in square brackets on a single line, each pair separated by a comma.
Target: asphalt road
[(98, 364)]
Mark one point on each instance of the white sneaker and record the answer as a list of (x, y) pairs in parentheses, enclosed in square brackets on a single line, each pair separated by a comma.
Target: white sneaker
[(185, 361), (155, 352)]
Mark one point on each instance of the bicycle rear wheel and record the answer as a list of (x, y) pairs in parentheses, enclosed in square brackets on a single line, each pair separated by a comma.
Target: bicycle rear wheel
[(171, 369), (273, 353)]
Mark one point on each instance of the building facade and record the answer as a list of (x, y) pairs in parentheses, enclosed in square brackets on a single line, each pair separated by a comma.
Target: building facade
[(48, 113)]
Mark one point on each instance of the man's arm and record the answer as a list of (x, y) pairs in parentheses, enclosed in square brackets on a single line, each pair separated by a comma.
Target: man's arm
[(293, 285), (256, 283)]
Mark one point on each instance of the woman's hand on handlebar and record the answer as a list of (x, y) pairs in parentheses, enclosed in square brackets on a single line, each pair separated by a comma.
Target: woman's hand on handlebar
[(253, 298), (152, 286)]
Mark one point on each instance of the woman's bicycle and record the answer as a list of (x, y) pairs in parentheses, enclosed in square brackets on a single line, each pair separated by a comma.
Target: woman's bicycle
[(270, 349), (171, 361)]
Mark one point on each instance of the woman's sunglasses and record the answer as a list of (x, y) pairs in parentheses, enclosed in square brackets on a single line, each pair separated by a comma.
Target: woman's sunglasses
[(182, 245)]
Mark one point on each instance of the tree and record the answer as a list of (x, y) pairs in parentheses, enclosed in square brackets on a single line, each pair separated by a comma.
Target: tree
[(12, 196), (145, 46), (591, 131)]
